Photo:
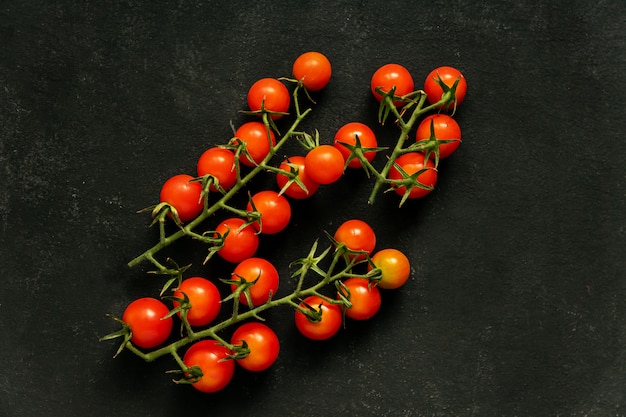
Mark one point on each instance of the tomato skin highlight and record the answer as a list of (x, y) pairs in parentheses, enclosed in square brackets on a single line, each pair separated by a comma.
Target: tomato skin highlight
[(324, 164), (448, 75), (184, 195), (411, 163), (271, 94), (220, 163), (238, 244), (257, 139), (445, 128), (395, 268), (357, 235), (329, 324), (294, 190), (204, 297), (266, 276), (364, 297), (313, 69), (390, 75), (263, 344), (275, 211), (144, 316), (210, 356), (347, 134)]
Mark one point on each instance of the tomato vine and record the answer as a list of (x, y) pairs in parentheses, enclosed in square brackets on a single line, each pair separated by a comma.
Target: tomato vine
[(347, 264)]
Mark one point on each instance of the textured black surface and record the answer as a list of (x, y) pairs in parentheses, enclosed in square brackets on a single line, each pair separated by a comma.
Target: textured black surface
[(517, 305)]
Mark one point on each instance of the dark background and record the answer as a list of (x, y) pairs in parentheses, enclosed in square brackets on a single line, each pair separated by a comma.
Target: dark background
[(517, 303)]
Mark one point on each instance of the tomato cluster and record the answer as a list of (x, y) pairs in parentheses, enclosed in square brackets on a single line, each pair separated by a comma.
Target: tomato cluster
[(353, 293)]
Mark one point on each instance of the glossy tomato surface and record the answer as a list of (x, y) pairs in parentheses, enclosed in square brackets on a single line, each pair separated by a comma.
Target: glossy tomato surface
[(263, 344), (275, 211), (147, 322), (295, 190), (364, 298), (440, 127), (327, 326), (448, 75), (241, 241), (395, 268), (184, 195), (204, 298), (211, 357), (412, 163), (265, 277), (313, 70), (271, 95), (348, 135), (258, 140), (357, 235), (392, 76)]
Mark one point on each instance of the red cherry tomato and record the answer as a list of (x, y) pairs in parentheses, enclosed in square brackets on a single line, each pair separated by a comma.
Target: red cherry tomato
[(313, 69), (448, 75), (357, 235), (270, 94), (184, 195), (275, 211), (389, 76), (263, 344), (220, 163), (348, 134), (324, 164), (329, 323), (257, 139), (240, 243), (264, 273), (445, 128), (364, 297), (411, 163), (395, 268), (145, 317), (210, 356), (294, 190), (204, 297)]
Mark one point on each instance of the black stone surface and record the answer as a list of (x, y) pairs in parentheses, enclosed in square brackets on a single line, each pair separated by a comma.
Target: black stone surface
[(517, 304)]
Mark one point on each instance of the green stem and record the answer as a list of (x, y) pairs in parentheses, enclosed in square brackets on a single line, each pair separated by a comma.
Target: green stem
[(405, 128), (289, 300), (165, 241)]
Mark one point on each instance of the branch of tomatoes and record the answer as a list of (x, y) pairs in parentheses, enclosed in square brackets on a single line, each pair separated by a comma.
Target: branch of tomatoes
[(344, 263), (344, 279)]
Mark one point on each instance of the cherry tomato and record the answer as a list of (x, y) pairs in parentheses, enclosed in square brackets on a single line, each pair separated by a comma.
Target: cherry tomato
[(240, 243), (257, 139), (294, 190), (271, 94), (411, 163), (348, 134), (220, 163), (210, 356), (313, 69), (357, 235), (395, 268), (263, 344), (445, 128), (448, 75), (329, 323), (184, 195), (264, 273), (275, 211), (204, 297), (364, 297), (391, 75), (324, 164), (144, 316)]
